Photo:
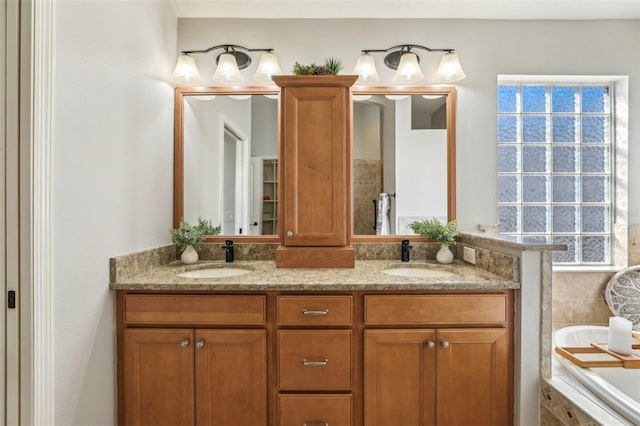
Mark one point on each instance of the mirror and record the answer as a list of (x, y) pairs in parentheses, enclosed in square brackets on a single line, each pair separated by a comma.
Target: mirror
[(403, 158), (226, 158)]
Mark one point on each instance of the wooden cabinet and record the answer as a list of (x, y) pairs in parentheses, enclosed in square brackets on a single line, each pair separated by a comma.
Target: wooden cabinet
[(192, 376), (351, 358), (437, 376), (315, 151), (315, 352)]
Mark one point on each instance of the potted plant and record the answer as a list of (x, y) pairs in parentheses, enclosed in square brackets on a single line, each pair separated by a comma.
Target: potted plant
[(443, 233), (189, 238), (331, 66)]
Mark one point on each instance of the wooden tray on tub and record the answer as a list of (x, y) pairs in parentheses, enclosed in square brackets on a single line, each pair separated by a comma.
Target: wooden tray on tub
[(615, 359)]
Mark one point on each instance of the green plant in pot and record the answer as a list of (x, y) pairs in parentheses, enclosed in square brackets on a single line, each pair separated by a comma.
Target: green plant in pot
[(188, 238), (331, 66), (443, 233)]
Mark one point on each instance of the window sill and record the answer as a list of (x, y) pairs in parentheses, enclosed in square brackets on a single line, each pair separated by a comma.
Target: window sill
[(581, 268)]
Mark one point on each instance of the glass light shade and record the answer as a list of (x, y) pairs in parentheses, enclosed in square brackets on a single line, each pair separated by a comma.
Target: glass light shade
[(396, 97), (361, 98), (408, 70), (240, 97), (186, 71), (227, 71), (366, 69), (271, 96), (267, 67), (449, 69)]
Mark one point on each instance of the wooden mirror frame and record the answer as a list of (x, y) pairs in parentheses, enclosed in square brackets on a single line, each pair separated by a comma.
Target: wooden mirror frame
[(178, 151), (450, 93)]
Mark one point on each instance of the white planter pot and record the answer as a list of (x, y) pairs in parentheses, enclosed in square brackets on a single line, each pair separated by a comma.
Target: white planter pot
[(444, 255), (189, 255)]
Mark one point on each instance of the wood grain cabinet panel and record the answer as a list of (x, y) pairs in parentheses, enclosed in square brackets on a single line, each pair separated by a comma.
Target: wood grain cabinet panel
[(158, 377), (231, 377), (399, 378), (322, 311), (436, 309), (195, 309), (314, 359), (315, 410)]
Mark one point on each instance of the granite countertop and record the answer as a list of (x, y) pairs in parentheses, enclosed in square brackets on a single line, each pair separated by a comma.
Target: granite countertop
[(367, 275)]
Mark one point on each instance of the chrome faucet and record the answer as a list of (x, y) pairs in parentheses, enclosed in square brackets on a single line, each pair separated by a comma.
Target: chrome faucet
[(405, 251), (228, 247)]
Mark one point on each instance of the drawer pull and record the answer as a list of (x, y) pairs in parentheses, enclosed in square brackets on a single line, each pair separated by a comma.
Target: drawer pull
[(313, 423), (323, 312), (315, 363)]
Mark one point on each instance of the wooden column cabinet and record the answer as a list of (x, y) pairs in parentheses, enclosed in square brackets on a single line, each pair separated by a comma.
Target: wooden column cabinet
[(315, 180)]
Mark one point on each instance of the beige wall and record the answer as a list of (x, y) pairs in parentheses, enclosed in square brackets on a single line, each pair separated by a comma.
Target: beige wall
[(577, 296)]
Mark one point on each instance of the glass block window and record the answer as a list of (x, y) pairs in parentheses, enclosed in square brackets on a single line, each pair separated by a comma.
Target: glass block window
[(555, 167)]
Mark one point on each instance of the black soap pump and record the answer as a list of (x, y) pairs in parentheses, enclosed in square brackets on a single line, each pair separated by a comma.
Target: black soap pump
[(405, 250)]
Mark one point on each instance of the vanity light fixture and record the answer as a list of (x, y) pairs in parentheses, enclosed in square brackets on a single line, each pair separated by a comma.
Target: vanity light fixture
[(407, 65), (229, 63)]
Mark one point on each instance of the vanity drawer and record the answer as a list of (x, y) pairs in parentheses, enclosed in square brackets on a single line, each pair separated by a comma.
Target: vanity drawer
[(315, 410), (314, 359), (194, 309), (315, 310), (435, 309)]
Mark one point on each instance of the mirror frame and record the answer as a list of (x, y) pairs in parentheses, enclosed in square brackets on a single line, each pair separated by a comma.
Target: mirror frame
[(178, 151), (450, 93)]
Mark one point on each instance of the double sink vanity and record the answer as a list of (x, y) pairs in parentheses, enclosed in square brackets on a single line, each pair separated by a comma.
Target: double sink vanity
[(315, 323)]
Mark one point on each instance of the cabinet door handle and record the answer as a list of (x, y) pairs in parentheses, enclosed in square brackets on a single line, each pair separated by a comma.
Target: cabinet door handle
[(184, 343), (311, 423), (315, 363), (200, 344), (444, 344), (430, 344), (322, 312), (289, 233)]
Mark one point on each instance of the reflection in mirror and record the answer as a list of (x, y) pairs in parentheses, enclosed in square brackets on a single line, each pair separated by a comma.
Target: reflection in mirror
[(230, 162), (400, 162)]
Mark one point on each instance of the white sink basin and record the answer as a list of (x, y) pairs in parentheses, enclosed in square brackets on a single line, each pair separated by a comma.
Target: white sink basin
[(417, 272), (214, 273)]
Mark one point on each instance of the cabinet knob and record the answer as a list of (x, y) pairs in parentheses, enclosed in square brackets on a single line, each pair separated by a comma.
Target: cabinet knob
[(315, 363), (200, 344), (444, 344), (430, 344), (289, 233), (184, 343)]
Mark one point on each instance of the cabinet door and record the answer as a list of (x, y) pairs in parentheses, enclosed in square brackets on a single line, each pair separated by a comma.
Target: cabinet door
[(316, 128), (473, 378), (158, 377), (399, 378), (231, 377)]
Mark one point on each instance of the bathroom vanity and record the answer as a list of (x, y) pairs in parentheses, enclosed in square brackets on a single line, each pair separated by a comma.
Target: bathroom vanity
[(316, 346)]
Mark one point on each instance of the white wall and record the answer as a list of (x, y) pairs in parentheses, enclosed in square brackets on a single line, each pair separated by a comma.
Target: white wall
[(486, 48), (112, 181), (203, 139), (420, 170)]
